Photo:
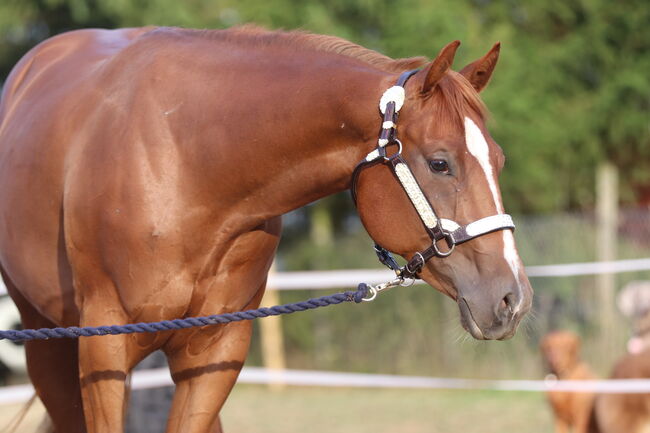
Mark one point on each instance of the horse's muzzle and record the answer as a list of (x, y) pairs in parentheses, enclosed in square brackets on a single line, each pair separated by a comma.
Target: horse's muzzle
[(495, 322)]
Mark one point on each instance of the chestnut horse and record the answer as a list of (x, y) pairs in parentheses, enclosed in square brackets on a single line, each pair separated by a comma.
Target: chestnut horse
[(144, 172)]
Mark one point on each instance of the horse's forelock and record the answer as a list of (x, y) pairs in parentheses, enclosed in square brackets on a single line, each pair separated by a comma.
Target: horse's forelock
[(458, 99)]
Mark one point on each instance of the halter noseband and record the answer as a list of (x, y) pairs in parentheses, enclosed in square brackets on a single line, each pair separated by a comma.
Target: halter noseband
[(437, 229)]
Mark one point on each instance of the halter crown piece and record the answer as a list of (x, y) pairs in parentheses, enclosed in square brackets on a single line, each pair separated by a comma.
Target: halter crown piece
[(437, 228)]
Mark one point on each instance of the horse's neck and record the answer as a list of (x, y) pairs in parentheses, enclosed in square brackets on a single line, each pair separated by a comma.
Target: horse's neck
[(285, 134)]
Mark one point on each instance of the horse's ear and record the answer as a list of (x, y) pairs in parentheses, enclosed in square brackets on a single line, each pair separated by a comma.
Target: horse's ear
[(437, 69), (478, 73)]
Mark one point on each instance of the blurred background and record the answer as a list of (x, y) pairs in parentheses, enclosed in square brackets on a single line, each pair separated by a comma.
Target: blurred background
[(569, 105)]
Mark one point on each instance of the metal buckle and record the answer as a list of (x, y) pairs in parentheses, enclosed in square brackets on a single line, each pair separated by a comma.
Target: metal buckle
[(415, 271)]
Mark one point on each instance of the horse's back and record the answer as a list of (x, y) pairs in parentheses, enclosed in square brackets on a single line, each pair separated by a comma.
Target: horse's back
[(60, 63), (43, 101)]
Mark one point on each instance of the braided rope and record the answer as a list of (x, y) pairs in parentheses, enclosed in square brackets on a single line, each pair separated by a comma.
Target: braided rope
[(190, 322)]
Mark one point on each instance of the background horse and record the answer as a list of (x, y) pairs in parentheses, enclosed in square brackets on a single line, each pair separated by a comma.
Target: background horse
[(625, 413), (634, 302), (629, 413), (572, 410), (143, 173)]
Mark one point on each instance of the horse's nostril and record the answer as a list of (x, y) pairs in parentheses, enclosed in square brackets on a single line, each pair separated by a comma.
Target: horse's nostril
[(507, 304)]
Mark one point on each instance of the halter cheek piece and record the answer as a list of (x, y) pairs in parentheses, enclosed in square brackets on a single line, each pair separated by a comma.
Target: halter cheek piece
[(438, 229)]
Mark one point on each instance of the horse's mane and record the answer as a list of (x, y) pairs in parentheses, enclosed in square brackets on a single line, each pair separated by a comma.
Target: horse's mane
[(453, 88), (253, 34)]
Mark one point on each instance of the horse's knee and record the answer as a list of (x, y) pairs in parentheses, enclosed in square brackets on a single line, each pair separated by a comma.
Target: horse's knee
[(204, 379)]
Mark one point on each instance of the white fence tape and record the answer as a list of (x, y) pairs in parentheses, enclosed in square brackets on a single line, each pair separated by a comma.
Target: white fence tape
[(156, 378), (15, 394), (350, 278), (363, 380), (590, 268)]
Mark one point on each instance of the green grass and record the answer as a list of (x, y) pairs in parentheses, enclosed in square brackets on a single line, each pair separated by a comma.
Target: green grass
[(256, 409), (260, 410)]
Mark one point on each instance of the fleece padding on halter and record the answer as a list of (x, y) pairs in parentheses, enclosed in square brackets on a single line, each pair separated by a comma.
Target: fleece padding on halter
[(395, 94), (416, 195), (477, 228)]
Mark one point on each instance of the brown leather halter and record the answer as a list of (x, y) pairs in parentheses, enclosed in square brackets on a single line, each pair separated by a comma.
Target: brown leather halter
[(437, 228)]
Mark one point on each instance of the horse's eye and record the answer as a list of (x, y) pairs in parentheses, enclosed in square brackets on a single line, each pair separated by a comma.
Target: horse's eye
[(439, 166)]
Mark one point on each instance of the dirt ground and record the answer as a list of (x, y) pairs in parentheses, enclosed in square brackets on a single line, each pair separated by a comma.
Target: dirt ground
[(31, 423)]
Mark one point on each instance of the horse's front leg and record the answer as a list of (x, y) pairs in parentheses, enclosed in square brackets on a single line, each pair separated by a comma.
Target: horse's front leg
[(105, 363), (205, 369), (205, 362)]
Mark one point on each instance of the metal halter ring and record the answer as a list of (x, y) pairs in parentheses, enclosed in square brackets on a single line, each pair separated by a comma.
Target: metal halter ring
[(399, 149), (451, 243)]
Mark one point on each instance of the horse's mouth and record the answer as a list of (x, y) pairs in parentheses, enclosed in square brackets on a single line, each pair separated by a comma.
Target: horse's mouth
[(502, 331), (467, 320)]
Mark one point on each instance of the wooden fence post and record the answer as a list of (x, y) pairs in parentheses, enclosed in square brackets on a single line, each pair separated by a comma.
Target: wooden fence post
[(271, 336), (606, 250)]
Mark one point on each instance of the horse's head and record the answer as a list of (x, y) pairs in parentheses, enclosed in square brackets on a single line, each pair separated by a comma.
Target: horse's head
[(561, 351), (457, 164)]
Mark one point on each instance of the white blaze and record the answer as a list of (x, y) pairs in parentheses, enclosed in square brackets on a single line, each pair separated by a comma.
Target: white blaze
[(478, 147)]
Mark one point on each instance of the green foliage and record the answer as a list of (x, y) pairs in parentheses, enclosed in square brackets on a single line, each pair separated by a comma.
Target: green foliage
[(571, 89)]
